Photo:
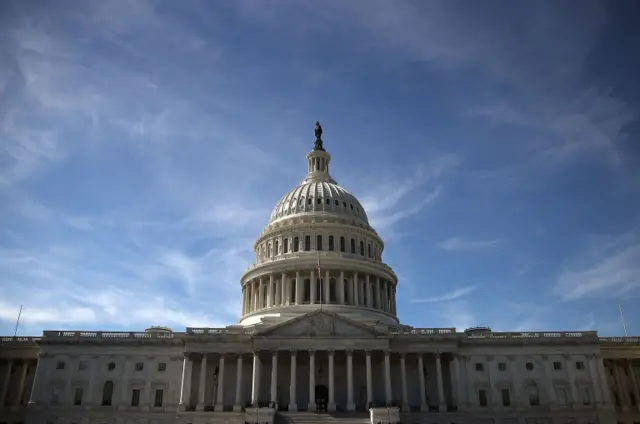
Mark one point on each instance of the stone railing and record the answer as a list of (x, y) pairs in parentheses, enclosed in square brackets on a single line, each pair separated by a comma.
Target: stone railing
[(424, 332), (535, 335), (620, 340), (109, 335), (314, 255), (18, 339), (197, 331)]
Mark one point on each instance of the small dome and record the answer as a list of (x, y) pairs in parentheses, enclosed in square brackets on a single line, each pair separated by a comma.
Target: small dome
[(318, 197)]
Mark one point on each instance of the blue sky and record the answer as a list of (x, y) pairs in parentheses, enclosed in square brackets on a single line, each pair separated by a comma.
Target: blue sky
[(493, 144)]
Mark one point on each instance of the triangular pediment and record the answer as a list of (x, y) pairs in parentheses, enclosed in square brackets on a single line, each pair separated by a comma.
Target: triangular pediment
[(321, 324)]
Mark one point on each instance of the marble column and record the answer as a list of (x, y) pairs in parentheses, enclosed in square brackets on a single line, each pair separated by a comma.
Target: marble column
[(332, 400), (575, 399), (185, 389), (368, 290), (312, 288), (327, 288), (457, 384), (274, 377), (551, 391), (261, 294), (284, 297), (350, 404), (378, 293), (292, 384), (312, 381), (237, 406), (340, 288), (403, 375), (298, 297), (423, 395), (255, 380), (442, 404), (220, 391), (606, 396), (202, 383), (387, 377), (356, 290), (271, 292), (369, 379), (5, 384)]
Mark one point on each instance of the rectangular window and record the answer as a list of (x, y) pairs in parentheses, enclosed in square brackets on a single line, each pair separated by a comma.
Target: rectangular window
[(77, 396), (330, 242), (285, 246), (579, 365), (557, 366), (506, 400), (342, 244), (60, 365), (353, 246), (162, 367), (561, 394), (502, 366), (319, 242), (139, 366), (135, 397), (482, 397), (82, 365), (479, 366), (158, 397), (586, 396), (307, 243)]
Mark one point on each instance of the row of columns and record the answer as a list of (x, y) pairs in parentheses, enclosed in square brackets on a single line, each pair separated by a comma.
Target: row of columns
[(185, 392), (269, 291), (625, 383), (11, 365)]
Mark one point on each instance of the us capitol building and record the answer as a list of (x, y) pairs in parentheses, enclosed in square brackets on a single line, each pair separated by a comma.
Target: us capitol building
[(319, 340)]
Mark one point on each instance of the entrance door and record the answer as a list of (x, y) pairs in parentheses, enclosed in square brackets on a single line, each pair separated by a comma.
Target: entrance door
[(322, 397)]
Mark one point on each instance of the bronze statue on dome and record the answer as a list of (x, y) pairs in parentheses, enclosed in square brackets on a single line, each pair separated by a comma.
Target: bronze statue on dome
[(318, 132)]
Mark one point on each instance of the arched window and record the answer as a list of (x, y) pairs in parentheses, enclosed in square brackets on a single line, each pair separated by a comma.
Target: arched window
[(532, 390), (330, 242), (342, 244), (353, 246), (361, 248), (307, 243), (285, 245), (275, 248), (319, 242), (107, 393), (296, 244)]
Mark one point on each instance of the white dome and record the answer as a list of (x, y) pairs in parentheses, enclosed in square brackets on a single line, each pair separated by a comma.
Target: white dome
[(318, 197)]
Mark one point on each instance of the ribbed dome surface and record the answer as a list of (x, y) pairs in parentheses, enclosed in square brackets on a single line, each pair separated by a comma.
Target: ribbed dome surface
[(318, 196)]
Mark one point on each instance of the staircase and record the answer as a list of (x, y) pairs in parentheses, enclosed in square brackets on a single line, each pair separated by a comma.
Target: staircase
[(322, 418)]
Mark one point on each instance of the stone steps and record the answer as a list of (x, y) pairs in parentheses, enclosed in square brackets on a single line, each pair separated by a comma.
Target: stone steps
[(322, 418)]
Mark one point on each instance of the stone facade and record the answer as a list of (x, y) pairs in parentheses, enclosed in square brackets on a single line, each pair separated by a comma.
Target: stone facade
[(319, 332)]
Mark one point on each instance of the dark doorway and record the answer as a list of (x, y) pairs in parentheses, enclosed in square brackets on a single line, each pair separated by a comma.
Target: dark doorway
[(322, 397)]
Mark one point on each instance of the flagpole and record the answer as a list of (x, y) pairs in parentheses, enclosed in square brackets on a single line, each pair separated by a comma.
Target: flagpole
[(17, 322), (624, 326)]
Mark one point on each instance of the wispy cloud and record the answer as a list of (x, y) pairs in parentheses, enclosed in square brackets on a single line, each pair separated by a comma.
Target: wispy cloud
[(460, 244), (609, 267), (452, 295)]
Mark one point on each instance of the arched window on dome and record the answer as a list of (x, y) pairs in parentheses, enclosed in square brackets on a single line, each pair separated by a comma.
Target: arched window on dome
[(296, 244), (361, 248), (353, 246), (275, 248), (319, 242), (285, 245), (343, 246), (307, 243), (319, 201), (331, 243), (107, 393)]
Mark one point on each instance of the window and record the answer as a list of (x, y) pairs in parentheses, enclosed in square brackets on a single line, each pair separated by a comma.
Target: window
[(60, 365), (529, 366), (82, 365), (337, 203), (307, 243), (296, 244), (135, 397), (482, 397), (107, 393), (579, 365), (562, 396), (328, 201), (342, 244), (479, 366), (319, 201), (369, 250), (285, 246), (111, 366), (330, 242), (139, 366), (158, 398), (506, 400), (353, 246), (361, 248), (55, 395), (275, 248), (77, 396), (310, 201), (557, 366), (502, 366), (162, 366), (532, 390), (319, 242), (586, 396)]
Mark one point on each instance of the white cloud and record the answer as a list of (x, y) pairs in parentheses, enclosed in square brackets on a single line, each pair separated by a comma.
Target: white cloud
[(609, 267), (460, 244), (449, 296)]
